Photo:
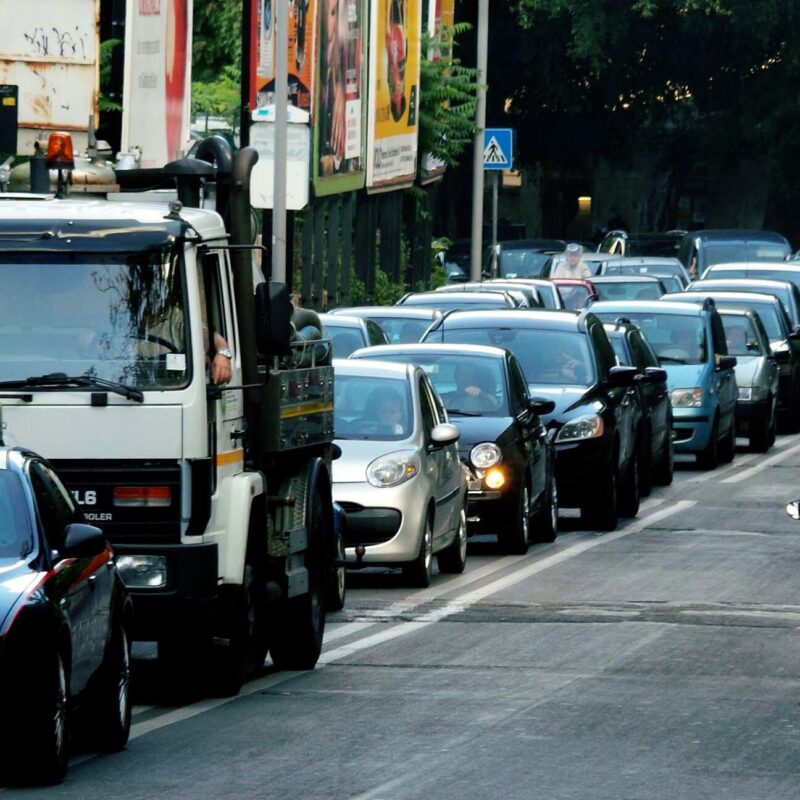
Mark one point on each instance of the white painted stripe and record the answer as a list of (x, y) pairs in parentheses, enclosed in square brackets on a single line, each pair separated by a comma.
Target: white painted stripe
[(767, 462)]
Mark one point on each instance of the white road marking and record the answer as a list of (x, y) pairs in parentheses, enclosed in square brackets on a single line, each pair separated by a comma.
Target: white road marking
[(767, 462)]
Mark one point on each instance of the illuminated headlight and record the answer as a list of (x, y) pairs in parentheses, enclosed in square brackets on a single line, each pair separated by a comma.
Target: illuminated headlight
[(143, 572), (746, 393), (577, 430), (494, 478), (686, 398), (485, 455), (393, 469)]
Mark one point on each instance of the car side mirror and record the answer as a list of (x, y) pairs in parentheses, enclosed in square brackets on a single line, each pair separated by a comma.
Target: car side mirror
[(622, 376), (81, 540), (541, 405), (793, 509), (654, 375), (444, 434), (726, 362), (782, 356), (795, 333)]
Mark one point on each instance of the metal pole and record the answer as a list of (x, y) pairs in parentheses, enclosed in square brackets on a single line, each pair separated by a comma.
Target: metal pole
[(244, 111), (477, 160), (495, 182), (281, 100)]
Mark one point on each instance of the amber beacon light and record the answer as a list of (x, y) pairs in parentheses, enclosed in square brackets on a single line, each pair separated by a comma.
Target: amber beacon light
[(59, 151)]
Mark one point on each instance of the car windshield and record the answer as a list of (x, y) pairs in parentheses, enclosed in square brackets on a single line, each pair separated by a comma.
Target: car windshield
[(558, 358), (345, 339), (372, 408), (624, 290), (16, 534), (768, 312), (776, 274), (741, 336), (676, 338), (521, 263), (112, 317), (402, 330), (721, 253), (574, 297)]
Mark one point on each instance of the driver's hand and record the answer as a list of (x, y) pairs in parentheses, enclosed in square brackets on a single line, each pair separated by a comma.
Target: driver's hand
[(472, 391), (220, 369)]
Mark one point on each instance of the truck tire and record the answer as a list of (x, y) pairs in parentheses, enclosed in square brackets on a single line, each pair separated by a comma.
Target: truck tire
[(296, 636)]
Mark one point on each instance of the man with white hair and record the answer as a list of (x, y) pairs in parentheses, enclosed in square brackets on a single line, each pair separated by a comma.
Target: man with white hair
[(573, 265)]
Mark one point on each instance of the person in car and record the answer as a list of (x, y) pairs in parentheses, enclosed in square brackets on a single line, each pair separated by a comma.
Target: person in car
[(384, 411), (573, 265), (474, 389)]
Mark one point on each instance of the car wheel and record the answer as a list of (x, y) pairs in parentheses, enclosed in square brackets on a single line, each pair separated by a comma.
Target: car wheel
[(48, 725), (727, 448), (708, 458), (545, 522), (514, 539), (664, 470), (111, 720), (773, 425), (453, 559), (337, 586), (629, 493), (760, 429), (602, 511), (419, 571), (645, 468)]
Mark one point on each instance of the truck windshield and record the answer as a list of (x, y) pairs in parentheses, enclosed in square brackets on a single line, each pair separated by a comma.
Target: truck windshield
[(117, 317)]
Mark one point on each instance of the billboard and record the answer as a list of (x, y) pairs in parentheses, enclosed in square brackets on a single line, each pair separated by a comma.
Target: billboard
[(302, 49), (158, 74), (392, 116), (49, 50), (339, 161)]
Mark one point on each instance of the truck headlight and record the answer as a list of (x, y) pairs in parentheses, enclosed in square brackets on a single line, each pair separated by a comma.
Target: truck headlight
[(746, 393), (485, 455), (143, 572), (686, 398), (393, 469), (577, 430)]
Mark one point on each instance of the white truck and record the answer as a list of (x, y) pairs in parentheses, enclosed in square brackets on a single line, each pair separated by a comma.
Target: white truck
[(216, 499)]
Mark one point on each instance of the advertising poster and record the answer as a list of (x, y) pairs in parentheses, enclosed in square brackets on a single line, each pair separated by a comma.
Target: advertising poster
[(394, 64), (438, 19), (302, 50), (158, 75), (339, 163)]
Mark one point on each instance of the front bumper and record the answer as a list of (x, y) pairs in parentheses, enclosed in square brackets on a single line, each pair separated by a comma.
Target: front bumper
[(578, 465), (488, 508), (691, 428), (747, 411)]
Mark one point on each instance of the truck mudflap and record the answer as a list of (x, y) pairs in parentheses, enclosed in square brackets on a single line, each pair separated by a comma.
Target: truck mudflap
[(186, 605)]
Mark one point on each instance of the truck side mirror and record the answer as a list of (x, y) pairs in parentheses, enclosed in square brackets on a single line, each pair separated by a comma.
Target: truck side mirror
[(273, 315)]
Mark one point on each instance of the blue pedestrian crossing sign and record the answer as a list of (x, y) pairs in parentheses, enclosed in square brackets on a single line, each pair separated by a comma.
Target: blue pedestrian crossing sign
[(498, 148)]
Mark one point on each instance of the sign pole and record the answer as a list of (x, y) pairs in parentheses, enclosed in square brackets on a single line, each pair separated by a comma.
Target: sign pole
[(495, 192), (281, 12), (480, 124)]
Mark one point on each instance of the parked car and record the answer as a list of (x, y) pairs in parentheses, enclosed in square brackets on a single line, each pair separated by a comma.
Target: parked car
[(701, 249), (524, 258), (628, 287), (622, 243), (548, 293), (756, 376), (399, 323), (593, 261), (64, 622), (647, 265), (785, 290), (784, 343), (504, 445), (656, 456), (575, 293), (689, 340), (399, 478), (453, 301), (566, 357), (526, 296), (349, 333)]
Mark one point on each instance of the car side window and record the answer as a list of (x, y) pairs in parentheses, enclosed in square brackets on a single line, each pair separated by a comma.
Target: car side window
[(56, 507), (375, 334), (426, 405), (603, 350), (438, 406), (518, 388)]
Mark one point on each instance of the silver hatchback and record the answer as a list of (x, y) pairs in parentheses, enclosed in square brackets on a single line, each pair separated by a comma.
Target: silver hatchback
[(399, 478)]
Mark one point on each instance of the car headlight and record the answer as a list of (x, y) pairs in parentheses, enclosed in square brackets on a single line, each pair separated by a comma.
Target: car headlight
[(393, 469), (577, 430), (485, 455), (686, 398), (142, 572), (745, 392)]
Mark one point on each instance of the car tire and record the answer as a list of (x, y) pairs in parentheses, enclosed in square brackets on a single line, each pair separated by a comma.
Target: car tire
[(337, 583), (760, 430), (708, 457), (47, 726), (418, 572), (602, 511), (453, 559), (545, 522), (111, 704), (629, 492), (664, 470), (727, 448), (773, 427), (645, 464), (514, 539)]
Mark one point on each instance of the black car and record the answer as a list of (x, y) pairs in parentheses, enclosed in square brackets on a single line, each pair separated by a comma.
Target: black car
[(504, 445), (641, 244), (656, 456), (567, 357), (524, 258), (64, 616)]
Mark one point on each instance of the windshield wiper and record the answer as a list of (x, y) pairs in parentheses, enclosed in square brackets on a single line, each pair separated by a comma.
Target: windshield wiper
[(463, 413), (62, 379)]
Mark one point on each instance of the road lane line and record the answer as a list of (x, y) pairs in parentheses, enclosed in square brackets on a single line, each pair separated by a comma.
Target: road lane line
[(767, 462)]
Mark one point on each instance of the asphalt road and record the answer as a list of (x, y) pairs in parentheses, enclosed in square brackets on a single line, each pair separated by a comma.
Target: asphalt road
[(659, 661)]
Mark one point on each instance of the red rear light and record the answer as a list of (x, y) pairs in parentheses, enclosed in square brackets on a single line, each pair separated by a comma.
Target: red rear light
[(142, 496), (59, 151)]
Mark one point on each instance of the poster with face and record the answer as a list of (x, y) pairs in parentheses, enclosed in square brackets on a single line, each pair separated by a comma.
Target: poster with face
[(394, 68), (302, 49), (158, 73), (339, 141)]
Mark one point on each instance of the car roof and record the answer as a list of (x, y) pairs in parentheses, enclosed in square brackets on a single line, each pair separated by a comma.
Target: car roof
[(410, 312), (766, 283), (341, 321), (526, 318), (755, 297), (483, 350), (648, 306), (757, 265), (644, 261), (377, 369), (533, 244), (737, 235), (625, 279), (737, 312)]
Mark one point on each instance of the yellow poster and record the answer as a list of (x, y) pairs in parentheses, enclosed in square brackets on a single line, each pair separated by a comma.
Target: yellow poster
[(394, 63)]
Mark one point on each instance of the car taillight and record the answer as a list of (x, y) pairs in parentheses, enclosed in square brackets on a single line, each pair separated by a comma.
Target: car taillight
[(142, 496)]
